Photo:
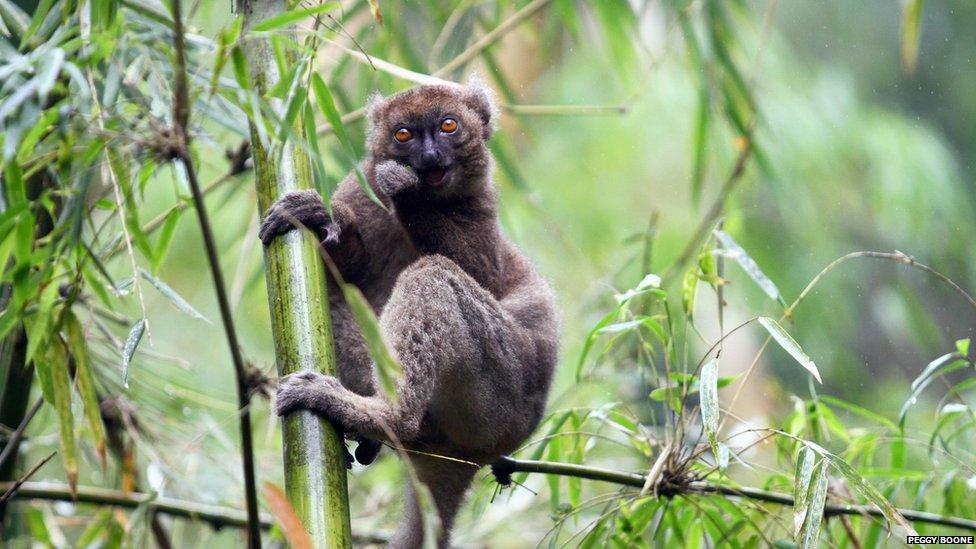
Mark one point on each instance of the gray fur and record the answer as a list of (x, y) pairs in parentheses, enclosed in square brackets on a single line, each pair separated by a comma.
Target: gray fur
[(462, 309)]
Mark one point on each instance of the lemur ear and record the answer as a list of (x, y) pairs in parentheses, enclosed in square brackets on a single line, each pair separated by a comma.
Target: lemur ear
[(373, 103), (481, 99)]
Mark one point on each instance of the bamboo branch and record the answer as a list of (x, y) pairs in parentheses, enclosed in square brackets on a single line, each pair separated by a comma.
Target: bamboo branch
[(14, 486), (14, 441), (506, 466), (181, 116), (216, 515), (313, 450)]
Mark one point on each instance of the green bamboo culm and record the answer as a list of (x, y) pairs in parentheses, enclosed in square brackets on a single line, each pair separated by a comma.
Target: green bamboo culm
[(314, 454)]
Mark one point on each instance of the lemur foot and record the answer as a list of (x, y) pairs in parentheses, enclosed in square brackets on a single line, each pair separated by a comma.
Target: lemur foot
[(367, 450), (307, 391), (320, 394), (393, 177), (297, 208)]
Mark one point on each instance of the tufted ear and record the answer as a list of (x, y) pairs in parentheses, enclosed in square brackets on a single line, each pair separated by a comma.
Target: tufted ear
[(481, 99), (373, 103)]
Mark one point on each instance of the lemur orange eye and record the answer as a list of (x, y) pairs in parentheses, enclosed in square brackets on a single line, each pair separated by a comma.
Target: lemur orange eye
[(403, 135), (449, 125)]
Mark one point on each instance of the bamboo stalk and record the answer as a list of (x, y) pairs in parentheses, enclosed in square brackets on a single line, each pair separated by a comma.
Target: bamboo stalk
[(314, 454)]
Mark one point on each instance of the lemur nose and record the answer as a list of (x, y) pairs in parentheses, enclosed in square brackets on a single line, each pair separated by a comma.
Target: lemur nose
[(430, 157)]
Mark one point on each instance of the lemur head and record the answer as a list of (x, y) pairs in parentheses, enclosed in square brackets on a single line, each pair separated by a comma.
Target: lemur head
[(438, 130)]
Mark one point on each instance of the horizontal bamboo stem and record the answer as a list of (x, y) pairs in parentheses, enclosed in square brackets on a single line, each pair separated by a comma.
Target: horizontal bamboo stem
[(216, 515), (508, 465)]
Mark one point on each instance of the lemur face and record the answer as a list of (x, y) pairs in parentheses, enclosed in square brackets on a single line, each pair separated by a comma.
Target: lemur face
[(439, 131)]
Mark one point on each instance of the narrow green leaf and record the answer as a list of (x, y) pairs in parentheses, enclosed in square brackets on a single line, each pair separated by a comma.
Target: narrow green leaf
[(689, 290), (52, 364), (709, 402), (47, 74), (801, 488), (41, 10), (165, 238), (174, 298), (723, 456), (293, 16), (131, 343), (732, 250), (591, 339), (911, 32), (790, 345), (946, 363), (816, 499), (78, 348), (860, 411), (326, 103), (855, 480), (388, 370)]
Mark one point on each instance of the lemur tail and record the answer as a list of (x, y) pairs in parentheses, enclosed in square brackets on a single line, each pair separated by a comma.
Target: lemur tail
[(447, 482)]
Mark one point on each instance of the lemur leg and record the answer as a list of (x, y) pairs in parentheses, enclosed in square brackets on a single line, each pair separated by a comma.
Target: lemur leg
[(447, 482)]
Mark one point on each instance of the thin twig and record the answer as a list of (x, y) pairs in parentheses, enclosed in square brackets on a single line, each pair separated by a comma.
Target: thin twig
[(509, 465), (16, 485), (18, 433), (181, 116)]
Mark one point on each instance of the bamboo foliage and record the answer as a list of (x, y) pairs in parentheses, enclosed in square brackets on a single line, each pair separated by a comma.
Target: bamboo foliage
[(315, 467)]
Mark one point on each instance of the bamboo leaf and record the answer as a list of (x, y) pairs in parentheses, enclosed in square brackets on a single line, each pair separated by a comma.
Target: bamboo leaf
[(723, 456), (293, 16), (790, 345), (801, 488), (165, 238), (284, 514), (174, 298), (689, 290), (911, 32), (591, 339), (816, 500), (41, 10), (326, 103), (946, 363), (374, 10), (86, 382), (863, 487), (131, 343), (860, 411), (709, 402), (52, 368), (388, 370), (732, 250)]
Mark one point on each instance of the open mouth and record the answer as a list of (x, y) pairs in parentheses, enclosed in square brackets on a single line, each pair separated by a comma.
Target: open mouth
[(435, 177)]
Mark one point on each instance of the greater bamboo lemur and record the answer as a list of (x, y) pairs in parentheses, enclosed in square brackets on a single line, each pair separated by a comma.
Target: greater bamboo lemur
[(462, 309)]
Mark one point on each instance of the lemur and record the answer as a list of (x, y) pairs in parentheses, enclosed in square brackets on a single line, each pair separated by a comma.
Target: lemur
[(461, 308)]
